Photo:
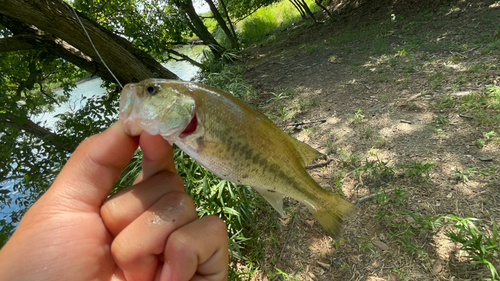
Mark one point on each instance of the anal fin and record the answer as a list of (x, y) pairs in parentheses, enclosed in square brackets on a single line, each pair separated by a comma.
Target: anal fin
[(274, 198)]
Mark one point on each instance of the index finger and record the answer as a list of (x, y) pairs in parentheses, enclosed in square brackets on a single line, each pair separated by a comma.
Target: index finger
[(158, 156), (88, 177)]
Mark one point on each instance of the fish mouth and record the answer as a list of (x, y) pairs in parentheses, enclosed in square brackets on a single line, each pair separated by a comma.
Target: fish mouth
[(128, 98)]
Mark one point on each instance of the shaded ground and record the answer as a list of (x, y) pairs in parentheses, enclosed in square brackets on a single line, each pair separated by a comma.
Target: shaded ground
[(398, 94)]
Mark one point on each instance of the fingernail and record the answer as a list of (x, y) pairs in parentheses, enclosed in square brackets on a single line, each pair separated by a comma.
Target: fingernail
[(166, 273)]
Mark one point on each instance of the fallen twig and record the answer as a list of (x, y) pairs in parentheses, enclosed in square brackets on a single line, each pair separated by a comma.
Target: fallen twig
[(314, 166), (371, 196), (303, 123), (287, 238)]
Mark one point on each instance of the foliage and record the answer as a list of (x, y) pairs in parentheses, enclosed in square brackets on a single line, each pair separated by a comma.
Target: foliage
[(267, 20), (418, 171), (148, 24), (30, 157), (481, 248), (213, 196)]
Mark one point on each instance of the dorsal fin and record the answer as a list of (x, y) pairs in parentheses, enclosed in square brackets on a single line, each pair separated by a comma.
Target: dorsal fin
[(306, 152)]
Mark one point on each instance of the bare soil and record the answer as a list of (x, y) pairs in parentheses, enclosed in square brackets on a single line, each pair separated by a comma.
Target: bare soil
[(398, 89)]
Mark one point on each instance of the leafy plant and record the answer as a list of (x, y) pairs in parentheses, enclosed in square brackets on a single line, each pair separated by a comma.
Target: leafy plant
[(214, 196), (309, 103), (358, 116), (446, 102), (465, 175), (418, 171), (284, 275), (479, 143), (481, 248), (442, 120)]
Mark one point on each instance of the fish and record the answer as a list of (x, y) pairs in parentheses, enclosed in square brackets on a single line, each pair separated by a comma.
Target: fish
[(232, 140)]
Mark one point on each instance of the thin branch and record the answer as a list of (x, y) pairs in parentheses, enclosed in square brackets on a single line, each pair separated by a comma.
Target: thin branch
[(186, 58), (370, 196), (47, 95), (303, 123)]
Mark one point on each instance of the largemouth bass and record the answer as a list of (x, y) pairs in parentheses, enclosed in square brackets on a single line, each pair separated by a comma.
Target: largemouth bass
[(233, 141)]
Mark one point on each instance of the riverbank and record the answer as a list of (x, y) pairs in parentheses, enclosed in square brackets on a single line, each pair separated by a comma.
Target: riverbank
[(412, 116)]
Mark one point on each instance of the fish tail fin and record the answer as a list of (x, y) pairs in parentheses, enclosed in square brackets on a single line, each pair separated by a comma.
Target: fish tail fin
[(332, 212)]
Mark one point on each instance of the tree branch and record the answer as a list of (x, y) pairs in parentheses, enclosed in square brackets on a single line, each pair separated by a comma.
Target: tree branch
[(14, 43), (42, 133), (57, 18), (186, 58)]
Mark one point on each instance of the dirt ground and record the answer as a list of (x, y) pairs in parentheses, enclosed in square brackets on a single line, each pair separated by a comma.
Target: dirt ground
[(384, 104)]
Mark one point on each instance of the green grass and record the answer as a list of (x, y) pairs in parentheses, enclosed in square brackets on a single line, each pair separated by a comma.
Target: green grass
[(484, 107), (268, 19)]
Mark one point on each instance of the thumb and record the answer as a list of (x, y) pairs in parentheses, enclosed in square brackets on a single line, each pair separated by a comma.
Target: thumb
[(88, 177)]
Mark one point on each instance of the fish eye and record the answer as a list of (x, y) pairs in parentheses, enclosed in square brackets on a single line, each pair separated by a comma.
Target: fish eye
[(151, 90)]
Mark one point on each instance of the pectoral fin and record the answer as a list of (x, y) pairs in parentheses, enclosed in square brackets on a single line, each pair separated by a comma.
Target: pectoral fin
[(274, 198)]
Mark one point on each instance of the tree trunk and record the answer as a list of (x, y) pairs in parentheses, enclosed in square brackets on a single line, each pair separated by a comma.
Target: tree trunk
[(230, 23), (222, 24), (56, 20), (318, 2), (299, 8), (200, 29), (306, 8)]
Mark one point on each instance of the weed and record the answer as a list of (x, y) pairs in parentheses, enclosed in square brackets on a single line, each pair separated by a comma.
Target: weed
[(276, 97), (366, 245), (336, 243), (380, 141), (481, 248), (377, 169), (284, 275), (418, 171), (437, 131), (490, 135), (365, 132), (309, 103), (479, 143), (309, 130), (400, 272), (348, 160), (442, 120), (358, 116), (284, 115), (374, 151), (331, 147), (337, 178), (446, 102), (425, 221), (464, 176)]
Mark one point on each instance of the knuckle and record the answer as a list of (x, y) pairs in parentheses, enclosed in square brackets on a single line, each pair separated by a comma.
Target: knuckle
[(178, 198), (216, 225), (170, 178), (123, 251)]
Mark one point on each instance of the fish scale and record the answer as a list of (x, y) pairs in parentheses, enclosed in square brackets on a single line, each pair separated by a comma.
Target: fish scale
[(233, 141)]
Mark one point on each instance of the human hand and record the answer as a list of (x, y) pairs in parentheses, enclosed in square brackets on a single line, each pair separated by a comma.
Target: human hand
[(149, 231)]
